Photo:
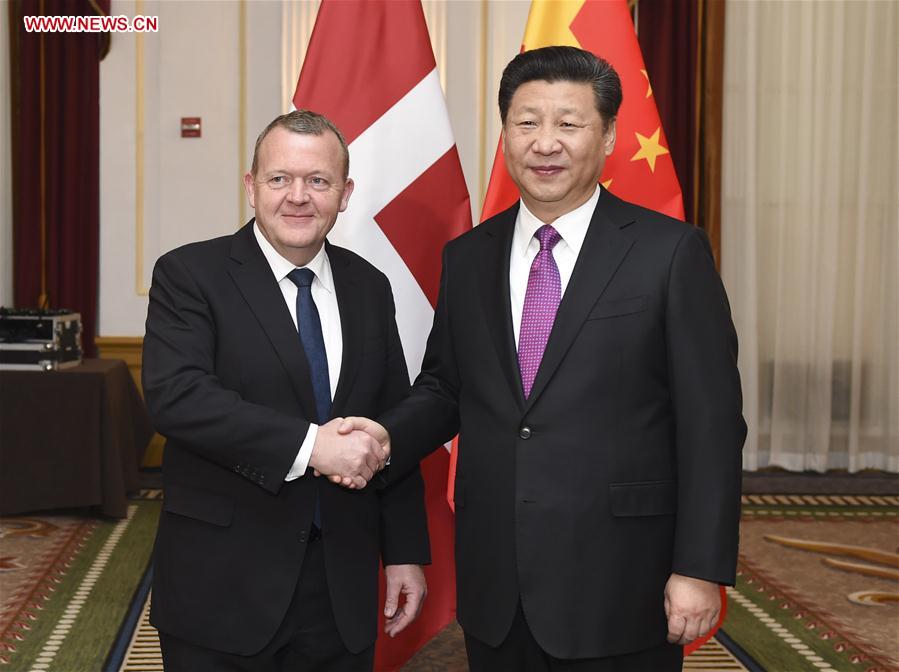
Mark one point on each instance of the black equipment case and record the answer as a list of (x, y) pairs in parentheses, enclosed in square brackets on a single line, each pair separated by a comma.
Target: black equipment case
[(39, 340)]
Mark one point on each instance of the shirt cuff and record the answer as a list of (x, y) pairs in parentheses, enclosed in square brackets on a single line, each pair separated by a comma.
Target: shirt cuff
[(301, 462)]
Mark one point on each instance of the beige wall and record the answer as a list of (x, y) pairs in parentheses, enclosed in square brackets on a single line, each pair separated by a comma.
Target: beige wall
[(235, 63), (159, 190)]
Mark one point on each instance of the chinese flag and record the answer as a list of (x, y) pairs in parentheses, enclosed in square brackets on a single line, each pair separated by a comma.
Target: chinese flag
[(370, 69), (640, 170)]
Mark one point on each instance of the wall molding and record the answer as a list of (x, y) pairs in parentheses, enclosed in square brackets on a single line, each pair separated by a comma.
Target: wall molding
[(140, 287), (242, 111), (128, 348)]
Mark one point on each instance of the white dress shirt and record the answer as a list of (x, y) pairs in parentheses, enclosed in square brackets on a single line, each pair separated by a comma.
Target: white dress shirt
[(572, 226), (325, 298)]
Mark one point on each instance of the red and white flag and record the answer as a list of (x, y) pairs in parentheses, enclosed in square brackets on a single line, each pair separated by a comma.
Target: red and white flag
[(370, 69)]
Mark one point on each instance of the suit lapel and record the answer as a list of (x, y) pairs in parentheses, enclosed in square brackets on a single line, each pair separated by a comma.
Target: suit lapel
[(255, 281), (494, 291), (350, 303), (605, 247)]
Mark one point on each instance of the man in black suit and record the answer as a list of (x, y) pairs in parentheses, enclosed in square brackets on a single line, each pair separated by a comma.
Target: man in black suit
[(256, 343), (583, 349)]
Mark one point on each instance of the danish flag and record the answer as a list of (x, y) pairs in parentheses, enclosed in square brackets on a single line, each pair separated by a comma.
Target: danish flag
[(370, 69)]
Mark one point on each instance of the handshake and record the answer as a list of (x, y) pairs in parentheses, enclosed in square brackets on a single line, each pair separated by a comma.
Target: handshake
[(350, 451)]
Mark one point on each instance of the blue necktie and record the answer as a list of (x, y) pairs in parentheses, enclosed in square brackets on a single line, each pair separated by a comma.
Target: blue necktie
[(309, 326)]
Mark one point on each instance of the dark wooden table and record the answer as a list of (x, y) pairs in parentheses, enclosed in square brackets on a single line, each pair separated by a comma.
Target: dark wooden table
[(71, 438)]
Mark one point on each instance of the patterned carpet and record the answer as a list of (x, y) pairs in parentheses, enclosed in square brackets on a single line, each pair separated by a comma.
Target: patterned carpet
[(67, 582), (820, 574), (817, 590)]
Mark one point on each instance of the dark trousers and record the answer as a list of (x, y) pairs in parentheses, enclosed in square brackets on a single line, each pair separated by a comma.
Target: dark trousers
[(306, 641), (521, 653)]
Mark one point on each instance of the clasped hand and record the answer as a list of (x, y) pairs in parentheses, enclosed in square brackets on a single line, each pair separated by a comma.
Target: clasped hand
[(372, 432), (348, 455)]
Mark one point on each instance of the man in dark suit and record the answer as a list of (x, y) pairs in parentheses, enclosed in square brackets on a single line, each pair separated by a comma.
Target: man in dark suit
[(583, 349), (256, 343)]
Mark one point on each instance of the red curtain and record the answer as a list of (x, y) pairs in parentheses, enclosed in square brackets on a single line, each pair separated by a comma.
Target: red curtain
[(683, 47), (668, 32), (55, 101)]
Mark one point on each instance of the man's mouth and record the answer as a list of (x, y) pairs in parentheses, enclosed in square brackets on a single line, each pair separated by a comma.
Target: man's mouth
[(547, 171)]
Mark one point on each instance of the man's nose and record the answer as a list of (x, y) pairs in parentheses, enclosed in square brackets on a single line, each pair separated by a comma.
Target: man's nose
[(547, 141), (298, 192)]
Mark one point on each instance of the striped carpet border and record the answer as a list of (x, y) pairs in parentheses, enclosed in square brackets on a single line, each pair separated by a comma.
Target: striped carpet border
[(143, 654), (148, 493), (821, 500), (814, 661), (713, 656)]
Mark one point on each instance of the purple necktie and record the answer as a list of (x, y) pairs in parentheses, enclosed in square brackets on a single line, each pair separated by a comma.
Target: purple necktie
[(541, 301)]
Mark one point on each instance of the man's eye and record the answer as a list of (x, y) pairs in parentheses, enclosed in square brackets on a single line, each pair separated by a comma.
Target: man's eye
[(318, 182), (527, 124), (278, 181)]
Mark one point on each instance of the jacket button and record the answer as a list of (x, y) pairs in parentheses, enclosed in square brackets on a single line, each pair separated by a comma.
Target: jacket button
[(303, 536), (524, 433)]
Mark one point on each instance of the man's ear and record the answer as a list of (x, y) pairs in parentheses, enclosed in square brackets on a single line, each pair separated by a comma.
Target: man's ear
[(608, 138), (347, 192), (249, 184)]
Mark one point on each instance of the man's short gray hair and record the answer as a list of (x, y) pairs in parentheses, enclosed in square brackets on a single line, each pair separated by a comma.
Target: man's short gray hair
[(304, 122)]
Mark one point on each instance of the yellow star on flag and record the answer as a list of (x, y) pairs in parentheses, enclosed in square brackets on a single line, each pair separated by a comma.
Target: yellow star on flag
[(650, 149), (648, 83), (607, 183), (549, 22)]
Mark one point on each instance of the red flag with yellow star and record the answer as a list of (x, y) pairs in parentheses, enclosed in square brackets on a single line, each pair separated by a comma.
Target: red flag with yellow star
[(640, 169)]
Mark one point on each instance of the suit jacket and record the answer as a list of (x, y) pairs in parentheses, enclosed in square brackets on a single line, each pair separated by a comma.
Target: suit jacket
[(228, 385), (622, 466)]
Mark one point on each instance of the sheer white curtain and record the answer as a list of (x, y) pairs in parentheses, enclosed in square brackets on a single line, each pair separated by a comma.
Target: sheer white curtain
[(810, 229), (297, 21)]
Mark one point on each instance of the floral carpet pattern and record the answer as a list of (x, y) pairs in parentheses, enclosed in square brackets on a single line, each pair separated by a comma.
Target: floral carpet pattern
[(37, 554)]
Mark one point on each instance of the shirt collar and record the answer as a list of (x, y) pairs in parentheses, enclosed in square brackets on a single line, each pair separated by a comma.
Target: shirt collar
[(572, 226), (319, 265)]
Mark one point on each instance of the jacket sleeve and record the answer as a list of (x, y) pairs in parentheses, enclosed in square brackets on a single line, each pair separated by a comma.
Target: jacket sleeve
[(429, 417), (404, 521), (187, 401), (707, 399)]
